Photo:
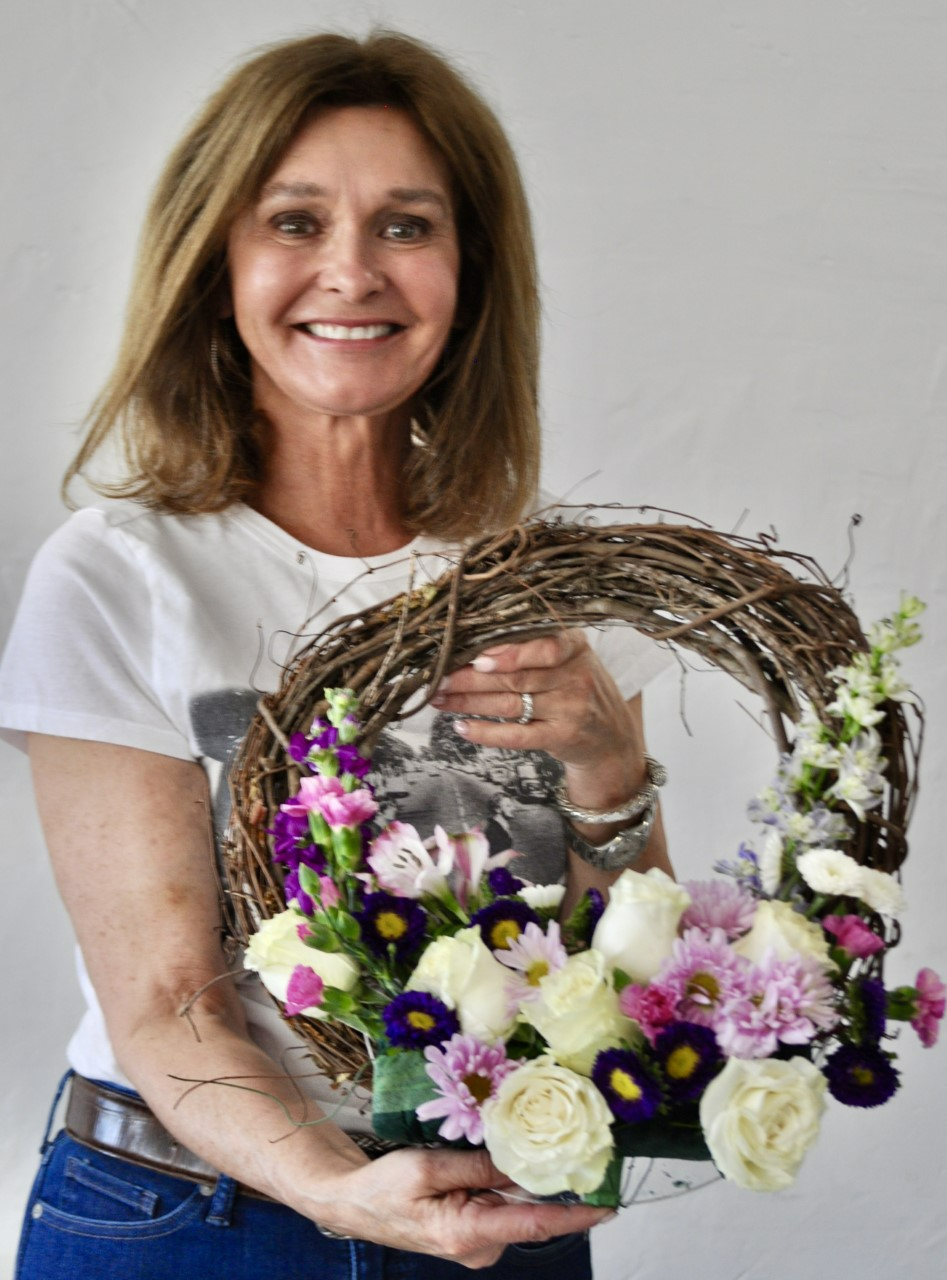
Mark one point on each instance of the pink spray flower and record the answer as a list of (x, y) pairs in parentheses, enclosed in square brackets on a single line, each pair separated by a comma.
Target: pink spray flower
[(652, 1007), (304, 990), (931, 1002), (853, 936), (327, 796)]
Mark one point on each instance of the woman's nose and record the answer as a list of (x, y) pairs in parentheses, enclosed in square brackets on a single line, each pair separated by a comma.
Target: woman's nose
[(348, 265)]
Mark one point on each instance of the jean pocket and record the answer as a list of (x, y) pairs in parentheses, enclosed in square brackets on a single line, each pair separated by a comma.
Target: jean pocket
[(572, 1249)]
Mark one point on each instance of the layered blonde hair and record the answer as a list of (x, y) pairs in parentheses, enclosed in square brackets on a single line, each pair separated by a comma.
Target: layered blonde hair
[(179, 400)]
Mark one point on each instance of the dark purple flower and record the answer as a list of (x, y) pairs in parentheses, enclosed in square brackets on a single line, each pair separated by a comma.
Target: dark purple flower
[(503, 921), (872, 1003), (291, 839), (689, 1057), (350, 761), (596, 908), (388, 921), (503, 882), (416, 1019), (860, 1076), (626, 1085)]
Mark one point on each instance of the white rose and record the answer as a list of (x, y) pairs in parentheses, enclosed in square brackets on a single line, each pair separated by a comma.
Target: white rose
[(639, 926), (576, 1011), (780, 929), (760, 1117), (276, 949), (548, 1129), (540, 896), (464, 973), (881, 892), (830, 871)]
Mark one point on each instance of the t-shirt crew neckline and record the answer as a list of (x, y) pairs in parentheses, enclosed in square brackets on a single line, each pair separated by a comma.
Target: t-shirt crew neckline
[(334, 568)]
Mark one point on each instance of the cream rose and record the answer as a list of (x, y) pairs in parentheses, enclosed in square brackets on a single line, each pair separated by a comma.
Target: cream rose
[(463, 972), (780, 929), (639, 926), (760, 1117), (276, 949), (576, 1011), (548, 1129)]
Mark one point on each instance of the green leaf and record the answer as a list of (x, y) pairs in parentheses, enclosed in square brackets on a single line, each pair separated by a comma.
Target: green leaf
[(661, 1138), (400, 1084), (608, 1193)]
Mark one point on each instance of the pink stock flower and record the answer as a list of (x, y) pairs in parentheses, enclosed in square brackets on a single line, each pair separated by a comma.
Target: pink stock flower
[(327, 796), (471, 858), (784, 1002), (719, 904), (652, 1007), (853, 936), (466, 1072), (403, 864), (931, 1002), (304, 990)]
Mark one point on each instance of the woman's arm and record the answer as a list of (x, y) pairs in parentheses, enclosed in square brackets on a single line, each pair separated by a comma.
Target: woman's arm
[(130, 838)]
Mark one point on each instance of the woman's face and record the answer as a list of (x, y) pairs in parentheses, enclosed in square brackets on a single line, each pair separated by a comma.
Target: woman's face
[(344, 274)]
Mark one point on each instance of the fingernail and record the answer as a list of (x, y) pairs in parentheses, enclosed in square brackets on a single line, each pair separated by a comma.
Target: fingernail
[(461, 727), (483, 663)]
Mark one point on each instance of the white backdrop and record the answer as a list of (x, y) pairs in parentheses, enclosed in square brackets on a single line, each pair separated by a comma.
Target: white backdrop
[(741, 209)]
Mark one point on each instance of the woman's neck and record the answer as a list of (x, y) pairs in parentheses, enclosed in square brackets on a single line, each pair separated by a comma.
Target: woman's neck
[(337, 485)]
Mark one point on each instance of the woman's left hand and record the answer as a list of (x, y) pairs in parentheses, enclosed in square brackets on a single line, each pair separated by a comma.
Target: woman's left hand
[(578, 713)]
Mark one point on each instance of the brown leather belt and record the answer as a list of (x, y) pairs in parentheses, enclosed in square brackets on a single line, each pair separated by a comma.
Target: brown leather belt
[(123, 1125)]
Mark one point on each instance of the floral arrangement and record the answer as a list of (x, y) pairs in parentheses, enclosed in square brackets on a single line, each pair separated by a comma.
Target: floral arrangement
[(705, 1020)]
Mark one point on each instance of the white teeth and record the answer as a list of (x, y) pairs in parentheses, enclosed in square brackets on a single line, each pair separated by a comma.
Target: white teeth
[(349, 333)]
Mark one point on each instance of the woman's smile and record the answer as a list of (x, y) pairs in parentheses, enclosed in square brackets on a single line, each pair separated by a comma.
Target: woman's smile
[(343, 275)]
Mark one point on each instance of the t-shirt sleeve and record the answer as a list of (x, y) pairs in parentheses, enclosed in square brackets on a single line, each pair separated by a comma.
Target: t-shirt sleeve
[(632, 658), (80, 659)]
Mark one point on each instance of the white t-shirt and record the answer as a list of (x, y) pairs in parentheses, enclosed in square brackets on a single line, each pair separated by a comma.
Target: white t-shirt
[(160, 632)]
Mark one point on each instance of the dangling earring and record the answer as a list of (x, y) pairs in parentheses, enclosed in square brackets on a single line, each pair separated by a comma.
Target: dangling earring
[(419, 437)]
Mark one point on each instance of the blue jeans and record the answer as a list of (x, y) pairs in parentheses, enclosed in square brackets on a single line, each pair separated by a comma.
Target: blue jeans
[(93, 1216)]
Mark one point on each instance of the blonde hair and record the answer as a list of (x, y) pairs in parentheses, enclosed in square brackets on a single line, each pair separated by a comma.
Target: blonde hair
[(179, 400)]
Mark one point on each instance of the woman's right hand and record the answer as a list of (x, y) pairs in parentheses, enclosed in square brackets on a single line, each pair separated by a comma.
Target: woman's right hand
[(447, 1203)]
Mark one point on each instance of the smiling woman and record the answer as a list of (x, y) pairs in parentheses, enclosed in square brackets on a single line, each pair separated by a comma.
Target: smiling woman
[(329, 367)]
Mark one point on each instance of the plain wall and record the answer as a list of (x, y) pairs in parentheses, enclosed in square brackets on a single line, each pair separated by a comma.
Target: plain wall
[(740, 208)]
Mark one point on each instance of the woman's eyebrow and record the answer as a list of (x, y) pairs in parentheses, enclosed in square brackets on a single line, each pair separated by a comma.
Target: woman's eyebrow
[(312, 190)]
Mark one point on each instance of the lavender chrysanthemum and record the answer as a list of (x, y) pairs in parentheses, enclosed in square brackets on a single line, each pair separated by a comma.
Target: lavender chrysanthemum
[(416, 1019), (860, 1076), (503, 921), (625, 1083), (703, 975), (689, 1057), (465, 1072), (719, 904), (387, 921), (781, 1002)]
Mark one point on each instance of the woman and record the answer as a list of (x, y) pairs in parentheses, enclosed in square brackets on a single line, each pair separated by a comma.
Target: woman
[(329, 361)]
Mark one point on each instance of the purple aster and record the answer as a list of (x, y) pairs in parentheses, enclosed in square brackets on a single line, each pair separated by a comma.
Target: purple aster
[(626, 1085), (719, 904), (596, 908), (502, 882), (503, 921), (387, 921), (465, 1072), (860, 1076), (416, 1019), (689, 1057)]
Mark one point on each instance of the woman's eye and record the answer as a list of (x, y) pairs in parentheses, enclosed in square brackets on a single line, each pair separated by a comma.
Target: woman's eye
[(407, 229), (294, 224)]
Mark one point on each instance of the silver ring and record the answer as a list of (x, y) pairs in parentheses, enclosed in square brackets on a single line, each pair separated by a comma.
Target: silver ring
[(526, 714)]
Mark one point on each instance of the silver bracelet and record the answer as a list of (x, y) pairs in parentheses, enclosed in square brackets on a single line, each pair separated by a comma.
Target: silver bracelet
[(621, 851), (642, 800)]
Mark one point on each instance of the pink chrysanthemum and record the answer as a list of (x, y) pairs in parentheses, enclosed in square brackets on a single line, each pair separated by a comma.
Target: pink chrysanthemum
[(533, 955), (652, 1007), (466, 1072), (719, 904), (931, 1003), (785, 1001), (702, 975)]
